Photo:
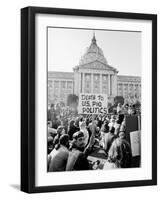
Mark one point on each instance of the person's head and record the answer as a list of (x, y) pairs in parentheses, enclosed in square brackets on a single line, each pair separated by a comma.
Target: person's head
[(112, 122), (52, 106), (49, 124), (60, 130), (78, 139), (105, 127), (122, 135), (50, 140), (64, 140), (71, 123), (95, 122)]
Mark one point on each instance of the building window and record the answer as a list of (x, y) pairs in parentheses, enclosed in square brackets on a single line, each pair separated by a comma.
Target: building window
[(49, 84), (104, 78), (56, 84), (87, 83), (96, 83), (63, 84), (96, 77), (69, 85), (104, 89)]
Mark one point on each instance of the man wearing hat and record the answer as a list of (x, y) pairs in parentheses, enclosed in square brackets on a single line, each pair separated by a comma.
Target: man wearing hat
[(77, 159)]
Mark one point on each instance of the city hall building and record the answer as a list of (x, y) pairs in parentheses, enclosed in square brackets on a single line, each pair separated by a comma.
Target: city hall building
[(93, 75)]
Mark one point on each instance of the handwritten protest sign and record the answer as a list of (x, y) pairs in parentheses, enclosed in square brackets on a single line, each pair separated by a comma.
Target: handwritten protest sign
[(92, 104), (135, 143)]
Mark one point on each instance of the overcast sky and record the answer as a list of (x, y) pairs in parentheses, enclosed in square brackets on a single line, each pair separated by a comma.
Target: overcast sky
[(121, 49)]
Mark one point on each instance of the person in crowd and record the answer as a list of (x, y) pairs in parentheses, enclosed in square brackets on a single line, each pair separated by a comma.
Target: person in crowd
[(77, 159), (81, 119), (55, 143), (87, 120), (119, 108), (123, 126), (72, 129), (51, 131), (83, 128), (59, 157), (117, 127), (56, 122), (99, 122), (104, 130), (60, 131), (77, 122), (125, 148), (114, 155), (112, 121), (118, 122), (108, 139), (51, 113), (119, 155), (50, 143), (130, 110), (93, 127)]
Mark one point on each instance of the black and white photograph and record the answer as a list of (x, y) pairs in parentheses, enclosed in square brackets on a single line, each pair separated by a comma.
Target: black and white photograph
[(94, 84), (89, 86)]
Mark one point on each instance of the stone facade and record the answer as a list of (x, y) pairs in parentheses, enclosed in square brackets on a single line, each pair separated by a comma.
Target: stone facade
[(93, 75)]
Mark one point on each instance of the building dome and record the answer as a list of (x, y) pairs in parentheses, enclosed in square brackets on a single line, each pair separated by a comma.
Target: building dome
[(93, 53)]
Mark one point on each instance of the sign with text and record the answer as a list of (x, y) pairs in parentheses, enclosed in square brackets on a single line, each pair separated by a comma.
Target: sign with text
[(135, 143), (92, 104)]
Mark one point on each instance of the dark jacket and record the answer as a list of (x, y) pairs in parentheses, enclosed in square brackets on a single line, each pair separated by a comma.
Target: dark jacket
[(72, 129), (126, 155), (77, 160)]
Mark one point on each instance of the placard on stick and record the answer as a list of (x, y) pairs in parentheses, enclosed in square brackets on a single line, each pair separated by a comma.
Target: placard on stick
[(92, 104), (135, 143)]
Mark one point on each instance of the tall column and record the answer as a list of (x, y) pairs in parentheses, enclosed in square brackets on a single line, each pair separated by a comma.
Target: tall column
[(76, 82), (66, 84), (83, 84), (59, 89), (114, 85), (133, 90), (128, 88), (123, 89), (91, 82), (79, 83), (109, 85), (101, 83)]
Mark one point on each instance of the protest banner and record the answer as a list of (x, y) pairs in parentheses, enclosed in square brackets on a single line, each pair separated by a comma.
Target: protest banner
[(135, 143), (92, 104)]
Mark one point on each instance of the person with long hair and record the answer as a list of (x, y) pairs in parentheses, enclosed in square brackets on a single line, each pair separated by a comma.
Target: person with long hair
[(119, 155)]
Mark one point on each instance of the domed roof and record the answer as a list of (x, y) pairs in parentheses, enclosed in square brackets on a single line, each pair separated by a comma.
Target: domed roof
[(93, 53)]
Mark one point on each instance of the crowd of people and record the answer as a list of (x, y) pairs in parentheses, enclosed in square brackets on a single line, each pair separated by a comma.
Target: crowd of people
[(72, 138)]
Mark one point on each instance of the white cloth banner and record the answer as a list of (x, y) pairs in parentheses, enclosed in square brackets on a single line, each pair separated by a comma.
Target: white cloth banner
[(135, 142), (92, 104)]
